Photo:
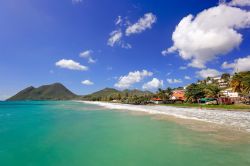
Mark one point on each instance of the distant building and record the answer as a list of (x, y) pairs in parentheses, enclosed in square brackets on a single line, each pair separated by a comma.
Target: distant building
[(156, 101), (218, 80), (229, 93), (178, 95)]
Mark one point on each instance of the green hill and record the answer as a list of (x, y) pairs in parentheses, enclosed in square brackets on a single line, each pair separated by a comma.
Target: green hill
[(109, 93), (46, 92)]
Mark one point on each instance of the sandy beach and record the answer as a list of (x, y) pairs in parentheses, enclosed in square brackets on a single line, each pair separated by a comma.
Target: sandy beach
[(234, 119)]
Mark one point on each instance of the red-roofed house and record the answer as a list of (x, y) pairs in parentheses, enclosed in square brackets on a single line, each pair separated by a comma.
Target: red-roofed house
[(178, 95)]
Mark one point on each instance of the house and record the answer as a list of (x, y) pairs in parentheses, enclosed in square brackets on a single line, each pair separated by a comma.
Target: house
[(229, 97), (156, 101), (229, 93), (178, 95), (221, 82)]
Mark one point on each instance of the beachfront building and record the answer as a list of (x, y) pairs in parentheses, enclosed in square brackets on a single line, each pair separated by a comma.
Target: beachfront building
[(229, 93), (178, 95), (228, 96), (156, 101)]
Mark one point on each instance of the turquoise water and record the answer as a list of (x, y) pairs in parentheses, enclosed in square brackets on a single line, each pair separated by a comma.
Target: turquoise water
[(75, 134)]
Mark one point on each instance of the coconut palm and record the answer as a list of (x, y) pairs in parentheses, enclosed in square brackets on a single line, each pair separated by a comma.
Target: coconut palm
[(241, 82), (161, 93), (236, 82), (168, 93)]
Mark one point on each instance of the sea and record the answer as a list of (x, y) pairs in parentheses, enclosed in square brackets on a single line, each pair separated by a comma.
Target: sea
[(70, 133)]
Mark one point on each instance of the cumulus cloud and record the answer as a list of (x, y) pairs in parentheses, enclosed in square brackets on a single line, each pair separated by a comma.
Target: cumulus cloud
[(187, 78), (133, 77), (142, 24), (208, 73), (211, 33), (88, 55), (239, 3), (153, 84), (241, 64), (115, 38), (87, 82), (174, 81), (70, 64)]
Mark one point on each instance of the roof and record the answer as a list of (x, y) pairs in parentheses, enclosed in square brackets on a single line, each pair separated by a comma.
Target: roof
[(156, 99)]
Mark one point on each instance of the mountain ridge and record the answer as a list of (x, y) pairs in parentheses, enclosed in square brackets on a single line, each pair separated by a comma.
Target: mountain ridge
[(58, 91), (55, 91)]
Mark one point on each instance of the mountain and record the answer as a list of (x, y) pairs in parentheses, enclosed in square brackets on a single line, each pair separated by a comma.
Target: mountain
[(107, 93), (54, 91)]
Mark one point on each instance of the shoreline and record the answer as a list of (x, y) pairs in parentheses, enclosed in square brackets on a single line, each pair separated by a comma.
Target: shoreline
[(238, 120)]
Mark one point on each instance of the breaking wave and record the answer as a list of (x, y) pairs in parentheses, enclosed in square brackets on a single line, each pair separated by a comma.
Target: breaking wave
[(240, 120)]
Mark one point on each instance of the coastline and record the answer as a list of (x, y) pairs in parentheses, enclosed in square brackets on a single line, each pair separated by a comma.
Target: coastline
[(239, 121)]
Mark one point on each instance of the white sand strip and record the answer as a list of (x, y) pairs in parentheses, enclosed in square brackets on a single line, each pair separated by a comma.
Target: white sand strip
[(237, 119)]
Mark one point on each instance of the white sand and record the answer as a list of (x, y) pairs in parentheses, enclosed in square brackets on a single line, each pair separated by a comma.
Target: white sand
[(236, 119)]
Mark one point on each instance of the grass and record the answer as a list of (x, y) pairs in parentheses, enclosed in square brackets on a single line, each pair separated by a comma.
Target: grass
[(237, 107)]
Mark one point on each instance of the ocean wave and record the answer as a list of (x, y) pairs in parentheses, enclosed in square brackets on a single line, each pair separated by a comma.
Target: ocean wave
[(239, 120)]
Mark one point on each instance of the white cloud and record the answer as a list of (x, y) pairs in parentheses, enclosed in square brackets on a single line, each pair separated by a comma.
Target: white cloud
[(211, 33), (174, 81), (77, 1), (241, 64), (115, 38), (70, 64), (183, 67), (169, 73), (88, 55), (133, 77), (126, 45), (118, 20), (164, 52), (187, 78), (153, 84), (142, 24), (87, 82), (208, 73), (91, 60), (239, 3)]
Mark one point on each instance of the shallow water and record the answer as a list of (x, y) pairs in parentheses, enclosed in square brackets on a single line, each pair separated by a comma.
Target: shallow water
[(70, 133), (235, 119)]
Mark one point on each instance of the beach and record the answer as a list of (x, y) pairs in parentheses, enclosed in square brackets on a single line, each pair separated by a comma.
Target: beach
[(233, 119)]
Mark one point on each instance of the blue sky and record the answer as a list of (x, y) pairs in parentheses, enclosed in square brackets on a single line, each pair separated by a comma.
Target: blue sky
[(67, 41)]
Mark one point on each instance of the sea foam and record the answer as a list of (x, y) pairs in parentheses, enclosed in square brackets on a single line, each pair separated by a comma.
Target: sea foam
[(237, 119)]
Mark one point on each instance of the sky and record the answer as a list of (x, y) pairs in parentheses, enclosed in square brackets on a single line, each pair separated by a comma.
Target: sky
[(88, 45)]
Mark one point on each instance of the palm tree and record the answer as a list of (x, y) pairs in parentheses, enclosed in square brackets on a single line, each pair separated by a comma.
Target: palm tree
[(161, 94), (236, 82), (168, 93), (245, 83), (241, 82)]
